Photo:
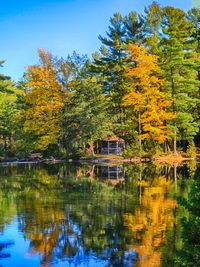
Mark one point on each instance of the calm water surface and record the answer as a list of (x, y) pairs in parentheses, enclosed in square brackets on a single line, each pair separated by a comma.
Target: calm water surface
[(86, 215)]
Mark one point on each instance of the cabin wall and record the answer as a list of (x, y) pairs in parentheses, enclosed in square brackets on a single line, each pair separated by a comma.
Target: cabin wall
[(111, 147)]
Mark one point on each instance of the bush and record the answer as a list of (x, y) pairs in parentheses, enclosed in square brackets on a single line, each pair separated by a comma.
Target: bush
[(151, 148), (55, 151), (133, 150), (191, 150), (23, 147)]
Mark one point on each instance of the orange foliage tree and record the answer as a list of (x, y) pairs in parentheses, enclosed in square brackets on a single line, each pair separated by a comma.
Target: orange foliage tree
[(149, 102), (44, 100)]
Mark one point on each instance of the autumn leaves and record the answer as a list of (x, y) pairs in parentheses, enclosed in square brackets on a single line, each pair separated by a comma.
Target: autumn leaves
[(142, 86), (44, 102), (146, 96), (45, 98)]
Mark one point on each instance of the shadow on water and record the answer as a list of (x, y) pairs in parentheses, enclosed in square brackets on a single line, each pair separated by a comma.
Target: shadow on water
[(87, 215), (4, 245)]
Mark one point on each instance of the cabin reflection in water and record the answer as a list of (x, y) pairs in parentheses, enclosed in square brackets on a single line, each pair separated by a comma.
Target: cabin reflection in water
[(110, 172)]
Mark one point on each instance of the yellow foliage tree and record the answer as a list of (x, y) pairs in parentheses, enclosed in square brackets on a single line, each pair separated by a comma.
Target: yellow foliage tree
[(151, 221), (44, 101), (146, 96)]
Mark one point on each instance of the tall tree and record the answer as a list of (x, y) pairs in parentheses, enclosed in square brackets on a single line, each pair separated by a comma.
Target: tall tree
[(8, 110), (194, 17), (45, 92), (152, 27), (146, 97), (134, 24), (111, 64), (86, 118), (179, 70)]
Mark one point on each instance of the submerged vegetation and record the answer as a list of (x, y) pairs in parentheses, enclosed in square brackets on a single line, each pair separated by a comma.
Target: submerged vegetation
[(143, 87)]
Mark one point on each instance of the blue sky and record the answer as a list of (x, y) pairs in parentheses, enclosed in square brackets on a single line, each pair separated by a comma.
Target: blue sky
[(60, 26)]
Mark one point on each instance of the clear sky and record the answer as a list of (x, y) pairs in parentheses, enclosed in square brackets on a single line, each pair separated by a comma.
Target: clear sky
[(60, 26)]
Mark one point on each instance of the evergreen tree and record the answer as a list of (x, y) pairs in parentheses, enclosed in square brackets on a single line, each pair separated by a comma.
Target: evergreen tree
[(6, 85), (152, 28), (134, 24), (8, 111), (179, 70), (86, 117), (194, 18), (111, 64)]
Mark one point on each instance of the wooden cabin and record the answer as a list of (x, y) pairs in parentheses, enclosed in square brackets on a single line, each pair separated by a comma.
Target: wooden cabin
[(111, 146)]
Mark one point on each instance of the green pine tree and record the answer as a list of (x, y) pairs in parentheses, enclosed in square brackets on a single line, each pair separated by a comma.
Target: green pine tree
[(179, 70), (151, 27), (111, 64), (86, 119)]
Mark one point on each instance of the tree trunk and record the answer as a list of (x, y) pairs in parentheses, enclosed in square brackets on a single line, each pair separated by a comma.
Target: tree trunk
[(174, 111), (166, 172), (91, 148), (174, 143), (165, 147), (10, 142), (139, 131), (175, 172), (5, 143)]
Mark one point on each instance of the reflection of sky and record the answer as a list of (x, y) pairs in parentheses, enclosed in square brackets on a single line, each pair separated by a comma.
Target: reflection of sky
[(82, 260), (18, 251), (196, 3), (21, 258)]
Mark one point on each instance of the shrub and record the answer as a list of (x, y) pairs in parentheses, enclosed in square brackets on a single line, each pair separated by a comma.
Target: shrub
[(133, 150), (191, 150)]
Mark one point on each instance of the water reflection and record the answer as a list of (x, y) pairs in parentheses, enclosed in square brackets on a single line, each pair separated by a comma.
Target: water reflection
[(110, 171), (4, 245), (151, 220), (84, 215)]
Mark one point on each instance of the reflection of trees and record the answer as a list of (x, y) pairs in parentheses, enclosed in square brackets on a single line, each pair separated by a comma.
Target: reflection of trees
[(79, 221), (189, 253), (67, 213), (151, 221), (4, 245), (7, 210), (62, 213)]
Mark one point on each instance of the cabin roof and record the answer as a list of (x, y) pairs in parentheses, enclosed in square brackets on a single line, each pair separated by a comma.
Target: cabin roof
[(113, 138)]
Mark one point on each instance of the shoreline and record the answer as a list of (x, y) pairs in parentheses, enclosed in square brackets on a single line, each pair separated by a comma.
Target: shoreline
[(168, 159)]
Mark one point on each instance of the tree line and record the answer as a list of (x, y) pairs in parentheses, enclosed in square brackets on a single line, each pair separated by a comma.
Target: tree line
[(143, 86)]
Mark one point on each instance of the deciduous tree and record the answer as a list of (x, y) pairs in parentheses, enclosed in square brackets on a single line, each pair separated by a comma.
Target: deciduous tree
[(45, 93), (146, 96)]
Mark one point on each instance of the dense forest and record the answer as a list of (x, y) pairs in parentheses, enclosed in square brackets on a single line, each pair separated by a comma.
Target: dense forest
[(142, 86)]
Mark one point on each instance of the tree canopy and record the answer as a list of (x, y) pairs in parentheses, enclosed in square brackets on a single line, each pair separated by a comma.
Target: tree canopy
[(142, 85)]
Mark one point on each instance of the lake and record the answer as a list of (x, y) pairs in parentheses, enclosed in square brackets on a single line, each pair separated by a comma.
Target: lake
[(89, 215)]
